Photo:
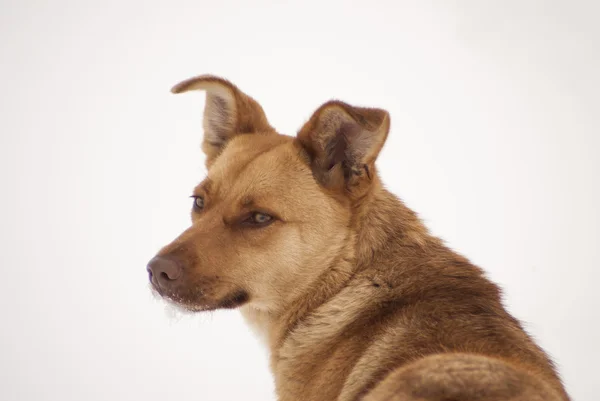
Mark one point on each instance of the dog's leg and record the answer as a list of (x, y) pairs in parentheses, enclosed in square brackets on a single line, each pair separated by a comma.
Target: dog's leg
[(462, 377)]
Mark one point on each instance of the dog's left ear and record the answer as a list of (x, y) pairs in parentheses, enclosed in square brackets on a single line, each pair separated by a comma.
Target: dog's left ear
[(343, 142), (227, 112)]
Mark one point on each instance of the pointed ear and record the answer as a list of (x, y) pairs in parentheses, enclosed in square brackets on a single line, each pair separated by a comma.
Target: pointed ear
[(227, 112), (343, 142)]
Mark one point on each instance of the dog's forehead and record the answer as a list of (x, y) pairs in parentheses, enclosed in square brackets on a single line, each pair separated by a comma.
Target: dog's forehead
[(257, 163), (240, 152)]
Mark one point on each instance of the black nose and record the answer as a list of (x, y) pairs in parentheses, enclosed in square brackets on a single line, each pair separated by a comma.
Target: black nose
[(163, 272)]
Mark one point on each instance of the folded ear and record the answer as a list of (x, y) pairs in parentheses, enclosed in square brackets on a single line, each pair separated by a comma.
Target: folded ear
[(227, 112), (343, 142)]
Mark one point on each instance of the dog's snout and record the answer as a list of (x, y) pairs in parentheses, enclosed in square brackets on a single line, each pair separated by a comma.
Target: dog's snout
[(163, 271)]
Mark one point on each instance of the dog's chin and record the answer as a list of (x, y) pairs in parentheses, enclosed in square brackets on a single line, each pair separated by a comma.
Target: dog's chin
[(181, 304), (186, 308)]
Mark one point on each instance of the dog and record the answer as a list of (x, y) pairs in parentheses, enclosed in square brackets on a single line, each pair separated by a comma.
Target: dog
[(353, 296)]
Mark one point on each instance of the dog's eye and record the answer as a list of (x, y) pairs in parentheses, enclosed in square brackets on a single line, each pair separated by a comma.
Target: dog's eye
[(198, 203), (259, 219)]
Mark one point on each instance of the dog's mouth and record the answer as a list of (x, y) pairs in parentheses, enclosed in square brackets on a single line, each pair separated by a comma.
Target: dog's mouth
[(198, 302), (179, 302), (192, 291)]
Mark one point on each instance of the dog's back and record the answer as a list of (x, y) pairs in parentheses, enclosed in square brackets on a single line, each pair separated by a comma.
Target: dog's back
[(415, 321), (355, 299)]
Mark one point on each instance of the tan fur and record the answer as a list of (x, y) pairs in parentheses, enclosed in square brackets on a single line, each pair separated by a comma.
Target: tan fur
[(353, 296)]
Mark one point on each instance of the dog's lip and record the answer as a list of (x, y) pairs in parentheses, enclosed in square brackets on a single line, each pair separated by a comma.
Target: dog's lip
[(159, 292)]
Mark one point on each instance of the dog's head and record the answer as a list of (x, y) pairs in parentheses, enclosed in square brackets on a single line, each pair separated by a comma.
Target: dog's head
[(274, 211)]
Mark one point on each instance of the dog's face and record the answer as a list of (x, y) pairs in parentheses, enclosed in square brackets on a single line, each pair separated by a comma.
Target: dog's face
[(274, 211)]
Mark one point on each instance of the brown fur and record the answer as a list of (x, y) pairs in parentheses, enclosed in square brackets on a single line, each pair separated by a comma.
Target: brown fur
[(354, 297)]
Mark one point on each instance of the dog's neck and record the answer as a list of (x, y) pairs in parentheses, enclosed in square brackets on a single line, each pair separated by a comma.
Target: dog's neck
[(382, 220), (378, 220)]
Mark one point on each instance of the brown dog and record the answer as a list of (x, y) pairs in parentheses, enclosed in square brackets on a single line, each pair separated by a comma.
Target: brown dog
[(355, 299)]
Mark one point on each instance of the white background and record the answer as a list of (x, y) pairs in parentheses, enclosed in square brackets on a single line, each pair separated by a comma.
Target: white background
[(494, 141)]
